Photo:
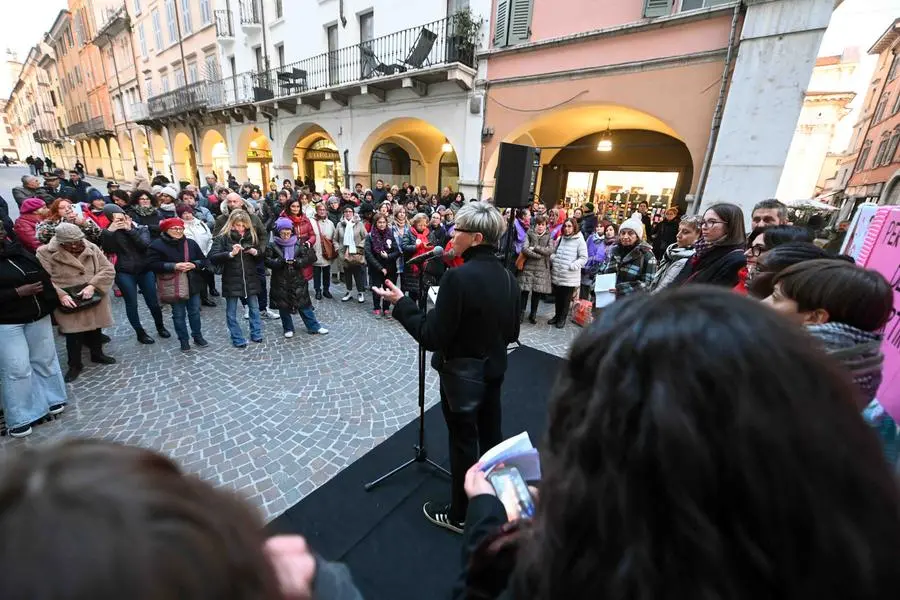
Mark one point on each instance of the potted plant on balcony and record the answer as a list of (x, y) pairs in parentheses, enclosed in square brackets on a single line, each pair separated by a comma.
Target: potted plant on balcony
[(463, 32)]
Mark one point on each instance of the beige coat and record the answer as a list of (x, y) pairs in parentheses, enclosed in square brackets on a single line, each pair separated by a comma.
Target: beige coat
[(67, 270), (359, 237)]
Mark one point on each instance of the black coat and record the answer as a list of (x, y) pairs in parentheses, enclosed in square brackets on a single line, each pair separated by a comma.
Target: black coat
[(130, 248), (377, 262), (239, 279), (79, 190), (165, 251), (588, 225), (718, 266), (150, 221), (664, 236), (476, 315), (289, 289), (19, 267)]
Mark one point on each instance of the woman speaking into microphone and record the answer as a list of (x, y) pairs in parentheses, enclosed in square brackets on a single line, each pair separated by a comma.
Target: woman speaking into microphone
[(474, 319)]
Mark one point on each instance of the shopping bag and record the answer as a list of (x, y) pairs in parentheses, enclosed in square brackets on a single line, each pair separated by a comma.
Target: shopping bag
[(581, 313)]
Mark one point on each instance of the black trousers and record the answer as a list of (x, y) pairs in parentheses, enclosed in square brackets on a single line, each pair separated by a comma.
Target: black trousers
[(535, 300), (376, 279), (562, 297), (76, 341), (471, 435)]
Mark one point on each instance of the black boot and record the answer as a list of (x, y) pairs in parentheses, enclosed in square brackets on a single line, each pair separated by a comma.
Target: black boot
[(198, 339), (532, 318), (102, 359), (522, 317), (143, 338), (162, 332), (73, 373), (105, 339), (213, 292), (553, 321), (185, 345)]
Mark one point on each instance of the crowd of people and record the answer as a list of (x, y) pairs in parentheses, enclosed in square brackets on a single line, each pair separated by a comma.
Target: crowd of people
[(715, 431)]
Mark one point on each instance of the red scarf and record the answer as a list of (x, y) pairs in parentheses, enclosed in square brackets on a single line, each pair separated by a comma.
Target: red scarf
[(422, 248)]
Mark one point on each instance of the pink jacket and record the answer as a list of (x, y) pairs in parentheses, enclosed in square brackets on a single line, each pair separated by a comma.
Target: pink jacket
[(24, 228)]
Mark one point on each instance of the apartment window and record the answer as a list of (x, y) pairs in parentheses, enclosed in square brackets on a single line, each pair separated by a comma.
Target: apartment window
[(53, 98), (205, 12), (148, 87), (164, 80), (79, 31), (279, 50), (879, 111), (142, 40), (331, 33), (512, 22), (367, 27), (157, 30), (279, 9), (880, 155), (895, 64), (192, 73), (258, 57), (179, 78), (896, 108), (695, 4), (137, 7), (454, 6), (170, 21), (212, 68), (892, 147), (187, 24), (863, 156)]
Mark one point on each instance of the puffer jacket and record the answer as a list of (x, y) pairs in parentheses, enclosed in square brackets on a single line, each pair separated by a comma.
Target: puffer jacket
[(19, 267), (289, 289), (567, 260), (634, 268), (130, 248), (673, 261), (535, 277), (26, 230), (239, 279)]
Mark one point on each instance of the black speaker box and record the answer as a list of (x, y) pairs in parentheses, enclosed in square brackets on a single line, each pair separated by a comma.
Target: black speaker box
[(517, 171)]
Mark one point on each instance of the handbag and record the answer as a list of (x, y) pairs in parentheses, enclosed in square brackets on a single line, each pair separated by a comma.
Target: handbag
[(582, 312), (172, 288), (462, 380), (520, 261), (353, 259), (328, 251), (80, 303)]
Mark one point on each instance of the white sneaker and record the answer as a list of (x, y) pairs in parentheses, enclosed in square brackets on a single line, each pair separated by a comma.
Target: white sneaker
[(289, 334), (360, 298), (246, 312), (347, 296), (273, 313), (321, 331)]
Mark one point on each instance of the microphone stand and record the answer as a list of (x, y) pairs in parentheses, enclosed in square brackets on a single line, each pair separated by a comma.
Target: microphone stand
[(420, 453)]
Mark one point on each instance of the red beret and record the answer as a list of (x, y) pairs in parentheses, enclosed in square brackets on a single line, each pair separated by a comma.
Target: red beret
[(167, 224)]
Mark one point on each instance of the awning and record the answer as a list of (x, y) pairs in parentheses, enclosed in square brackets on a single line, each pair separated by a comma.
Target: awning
[(810, 204)]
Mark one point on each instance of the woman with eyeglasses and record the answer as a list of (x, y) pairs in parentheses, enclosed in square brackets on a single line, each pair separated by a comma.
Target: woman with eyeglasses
[(719, 253), (761, 241)]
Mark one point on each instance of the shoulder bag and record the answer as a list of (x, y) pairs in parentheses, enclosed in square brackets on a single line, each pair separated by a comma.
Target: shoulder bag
[(328, 251), (172, 288), (80, 303)]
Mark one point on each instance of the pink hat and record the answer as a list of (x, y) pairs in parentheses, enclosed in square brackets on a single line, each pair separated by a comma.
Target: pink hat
[(32, 204)]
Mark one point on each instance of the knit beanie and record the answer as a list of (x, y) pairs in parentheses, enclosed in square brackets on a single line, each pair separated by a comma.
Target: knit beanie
[(283, 223), (169, 191), (167, 224), (183, 208), (31, 205), (589, 207), (635, 224), (66, 233), (111, 209)]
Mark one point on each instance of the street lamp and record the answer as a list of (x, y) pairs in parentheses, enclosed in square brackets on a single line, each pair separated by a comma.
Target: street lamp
[(605, 144)]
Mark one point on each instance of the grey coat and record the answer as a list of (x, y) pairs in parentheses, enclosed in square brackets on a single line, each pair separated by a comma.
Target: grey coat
[(569, 258), (535, 277)]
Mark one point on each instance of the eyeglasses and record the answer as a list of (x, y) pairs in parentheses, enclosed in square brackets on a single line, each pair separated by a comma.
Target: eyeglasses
[(756, 250), (458, 230), (710, 223), (176, 229)]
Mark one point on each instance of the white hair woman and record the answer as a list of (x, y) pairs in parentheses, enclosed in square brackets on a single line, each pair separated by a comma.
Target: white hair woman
[(475, 317)]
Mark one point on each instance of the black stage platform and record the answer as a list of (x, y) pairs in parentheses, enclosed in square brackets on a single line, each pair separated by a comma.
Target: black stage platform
[(392, 551)]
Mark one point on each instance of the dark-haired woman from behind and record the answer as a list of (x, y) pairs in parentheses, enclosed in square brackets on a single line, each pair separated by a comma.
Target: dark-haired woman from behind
[(845, 307), (719, 253), (738, 468)]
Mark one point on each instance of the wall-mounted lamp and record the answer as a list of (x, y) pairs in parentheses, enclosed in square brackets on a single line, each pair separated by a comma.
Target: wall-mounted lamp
[(446, 146), (605, 144)]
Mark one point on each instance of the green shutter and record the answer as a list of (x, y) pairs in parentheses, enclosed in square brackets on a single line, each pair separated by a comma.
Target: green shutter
[(501, 24), (657, 8), (520, 21)]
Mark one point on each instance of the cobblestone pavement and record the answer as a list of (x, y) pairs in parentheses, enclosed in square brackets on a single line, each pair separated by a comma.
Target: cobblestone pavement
[(273, 421)]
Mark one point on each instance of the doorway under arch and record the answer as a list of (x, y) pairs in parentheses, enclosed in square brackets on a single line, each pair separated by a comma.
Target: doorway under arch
[(390, 163)]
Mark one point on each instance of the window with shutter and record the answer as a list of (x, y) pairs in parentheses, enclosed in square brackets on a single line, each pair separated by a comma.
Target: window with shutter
[(501, 24), (520, 21), (657, 8)]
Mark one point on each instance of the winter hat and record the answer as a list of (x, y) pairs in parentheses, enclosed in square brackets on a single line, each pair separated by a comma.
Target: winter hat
[(183, 208), (167, 224), (66, 233), (94, 194), (112, 209), (31, 205), (169, 191), (635, 224), (283, 223), (589, 207)]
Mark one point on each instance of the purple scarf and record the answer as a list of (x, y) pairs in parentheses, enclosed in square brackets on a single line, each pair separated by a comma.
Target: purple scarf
[(288, 246), (521, 233), (379, 240)]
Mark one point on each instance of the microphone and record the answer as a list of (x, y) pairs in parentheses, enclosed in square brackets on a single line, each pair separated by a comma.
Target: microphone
[(436, 252)]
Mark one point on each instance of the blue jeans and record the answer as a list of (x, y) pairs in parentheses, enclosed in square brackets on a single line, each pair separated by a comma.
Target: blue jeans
[(191, 309), (234, 328), (128, 284), (31, 379), (263, 294), (308, 316)]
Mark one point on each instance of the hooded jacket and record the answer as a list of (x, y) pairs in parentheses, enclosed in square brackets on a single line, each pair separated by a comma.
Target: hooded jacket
[(239, 278), (567, 260), (260, 227)]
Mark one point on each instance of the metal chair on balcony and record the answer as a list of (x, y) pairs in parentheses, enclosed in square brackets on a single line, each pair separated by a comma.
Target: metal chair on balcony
[(418, 56), (292, 82), (372, 66)]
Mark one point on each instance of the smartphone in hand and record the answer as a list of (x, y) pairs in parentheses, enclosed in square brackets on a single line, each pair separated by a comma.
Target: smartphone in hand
[(513, 492)]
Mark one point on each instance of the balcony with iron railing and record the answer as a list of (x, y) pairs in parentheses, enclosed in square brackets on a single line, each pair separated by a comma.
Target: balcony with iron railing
[(137, 112), (95, 125), (224, 25), (193, 96), (424, 54), (44, 136), (250, 12)]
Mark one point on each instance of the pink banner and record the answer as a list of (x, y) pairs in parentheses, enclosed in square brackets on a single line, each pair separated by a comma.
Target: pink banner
[(884, 257)]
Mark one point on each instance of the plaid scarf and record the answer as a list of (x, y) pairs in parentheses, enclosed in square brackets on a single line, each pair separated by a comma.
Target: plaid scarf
[(857, 350)]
